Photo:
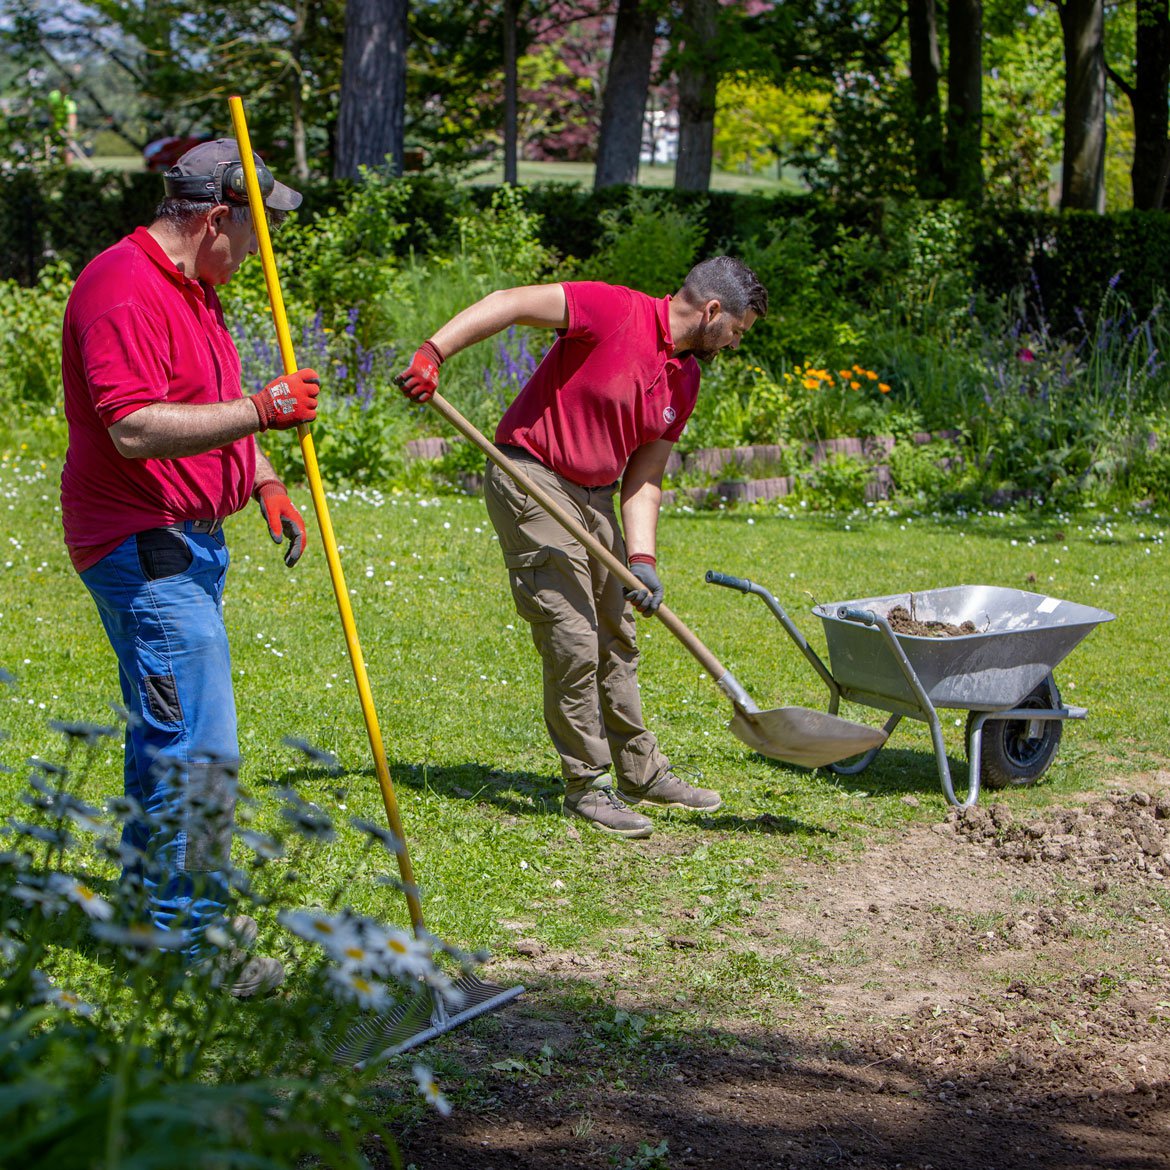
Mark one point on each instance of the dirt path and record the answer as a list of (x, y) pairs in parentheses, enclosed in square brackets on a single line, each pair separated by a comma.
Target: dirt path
[(982, 993)]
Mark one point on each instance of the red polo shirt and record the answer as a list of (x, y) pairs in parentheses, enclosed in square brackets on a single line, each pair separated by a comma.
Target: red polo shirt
[(137, 331), (609, 385)]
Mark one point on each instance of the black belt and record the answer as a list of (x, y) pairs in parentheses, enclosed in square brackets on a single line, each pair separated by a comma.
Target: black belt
[(207, 527)]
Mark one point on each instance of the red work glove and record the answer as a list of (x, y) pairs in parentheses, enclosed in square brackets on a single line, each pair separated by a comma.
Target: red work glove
[(288, 401), (646, 600), (421, 378), (283, 519)]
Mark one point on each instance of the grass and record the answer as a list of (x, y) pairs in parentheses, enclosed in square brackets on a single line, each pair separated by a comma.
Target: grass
[(456, 685), (577, 174)]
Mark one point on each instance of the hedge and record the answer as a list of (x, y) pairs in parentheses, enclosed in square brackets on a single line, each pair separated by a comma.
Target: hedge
[(1068, 259)]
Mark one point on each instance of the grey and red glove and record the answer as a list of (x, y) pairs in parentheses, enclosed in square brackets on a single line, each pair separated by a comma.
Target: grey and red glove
[(284, 521), (647, 600), (288, 401), (421, 378)]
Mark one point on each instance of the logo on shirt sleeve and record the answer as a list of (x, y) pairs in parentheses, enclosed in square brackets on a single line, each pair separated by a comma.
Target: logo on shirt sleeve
[(669, 415)]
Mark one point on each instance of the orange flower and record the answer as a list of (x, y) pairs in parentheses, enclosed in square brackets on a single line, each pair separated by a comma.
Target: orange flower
[(844, 374), (883, 388), (871, 375), (811, 383), (854, 385)]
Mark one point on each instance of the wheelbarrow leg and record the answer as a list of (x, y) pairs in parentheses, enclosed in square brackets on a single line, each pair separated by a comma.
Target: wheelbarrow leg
[(927, 710), (863, 762)]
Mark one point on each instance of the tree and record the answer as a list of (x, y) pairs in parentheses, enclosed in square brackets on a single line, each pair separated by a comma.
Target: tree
[(964, 121), (925, 69), (619, 144), (371, 120), (1083, 174), (698, 81), (1147, 96)]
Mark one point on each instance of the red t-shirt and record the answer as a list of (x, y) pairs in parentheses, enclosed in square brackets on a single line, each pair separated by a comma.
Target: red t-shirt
[(609, 385), (137, 331)]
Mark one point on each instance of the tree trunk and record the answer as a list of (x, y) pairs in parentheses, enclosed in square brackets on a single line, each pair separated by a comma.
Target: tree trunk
[(922, 28), (623, 106), (510, 131), (372, 118), (1148, 97), (965, 100), (698, 79), (296, 101), (1083, 175)]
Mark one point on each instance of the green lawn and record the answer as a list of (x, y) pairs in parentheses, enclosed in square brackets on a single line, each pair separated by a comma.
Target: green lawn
[(456, 682), (580, 174)]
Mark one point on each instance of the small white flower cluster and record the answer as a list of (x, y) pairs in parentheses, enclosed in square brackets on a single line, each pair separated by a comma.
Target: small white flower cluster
[(366, 957)]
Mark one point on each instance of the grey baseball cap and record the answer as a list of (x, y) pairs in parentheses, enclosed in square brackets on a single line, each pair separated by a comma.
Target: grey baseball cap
[(213, 172)]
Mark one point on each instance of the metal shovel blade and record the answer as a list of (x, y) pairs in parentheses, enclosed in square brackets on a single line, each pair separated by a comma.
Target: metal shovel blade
[(798, 735)]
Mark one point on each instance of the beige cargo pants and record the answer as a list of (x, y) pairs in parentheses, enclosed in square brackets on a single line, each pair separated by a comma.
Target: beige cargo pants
[(581, 625)]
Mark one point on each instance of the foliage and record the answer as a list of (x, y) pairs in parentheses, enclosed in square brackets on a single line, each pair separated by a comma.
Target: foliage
[(649, 245), (30, 340), (759, 124), (120, 1049)]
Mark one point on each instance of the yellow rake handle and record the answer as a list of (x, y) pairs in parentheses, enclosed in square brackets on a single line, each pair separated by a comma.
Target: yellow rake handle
[(312, 471)]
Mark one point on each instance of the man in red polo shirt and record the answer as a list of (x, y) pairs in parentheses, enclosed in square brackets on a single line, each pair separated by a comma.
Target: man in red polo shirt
[(161, 450), (602, 411)]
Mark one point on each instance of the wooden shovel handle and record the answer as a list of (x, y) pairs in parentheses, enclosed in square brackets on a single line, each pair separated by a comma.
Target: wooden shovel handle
[(596, 549)]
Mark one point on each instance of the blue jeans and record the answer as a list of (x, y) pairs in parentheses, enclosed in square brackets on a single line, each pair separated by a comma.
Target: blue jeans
[(160, 597)]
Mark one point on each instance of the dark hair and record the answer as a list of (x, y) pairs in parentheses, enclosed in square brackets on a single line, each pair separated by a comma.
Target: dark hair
[(181, 212), (730, 282)]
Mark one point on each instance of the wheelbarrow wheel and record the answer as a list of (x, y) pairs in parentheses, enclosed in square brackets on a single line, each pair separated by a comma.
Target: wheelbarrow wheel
[(1011, 757)]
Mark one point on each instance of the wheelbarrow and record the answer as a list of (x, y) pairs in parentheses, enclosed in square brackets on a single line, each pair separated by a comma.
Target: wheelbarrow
[(1000, 674)]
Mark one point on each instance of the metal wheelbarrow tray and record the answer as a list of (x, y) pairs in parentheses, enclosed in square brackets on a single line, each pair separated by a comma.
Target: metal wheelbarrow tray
[(1001, 674)]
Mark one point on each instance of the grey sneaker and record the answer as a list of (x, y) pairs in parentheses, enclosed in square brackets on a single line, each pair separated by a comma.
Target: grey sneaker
[(600, 806), (244, 930), (257, 976), (235, 971), (668, 791)]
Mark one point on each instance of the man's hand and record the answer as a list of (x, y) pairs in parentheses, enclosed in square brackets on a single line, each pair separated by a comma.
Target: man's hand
[(647, 600), (288, 401), (283, 519), (421, 378)]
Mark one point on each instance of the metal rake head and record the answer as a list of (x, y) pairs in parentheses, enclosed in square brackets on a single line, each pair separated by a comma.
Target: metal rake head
[(418, 1019)]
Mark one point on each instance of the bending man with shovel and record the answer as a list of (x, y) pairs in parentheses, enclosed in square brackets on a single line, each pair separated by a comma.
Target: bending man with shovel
[(601, 412)]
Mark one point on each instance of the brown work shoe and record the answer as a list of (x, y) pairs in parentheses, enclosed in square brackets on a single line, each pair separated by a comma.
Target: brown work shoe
[(668, 791), (599, 805)]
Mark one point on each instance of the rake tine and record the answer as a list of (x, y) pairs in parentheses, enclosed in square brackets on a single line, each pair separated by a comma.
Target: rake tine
[(419, 1019)]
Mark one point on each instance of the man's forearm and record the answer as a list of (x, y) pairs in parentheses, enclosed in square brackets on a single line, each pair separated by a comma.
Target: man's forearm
[(640, 508), (168, 430)]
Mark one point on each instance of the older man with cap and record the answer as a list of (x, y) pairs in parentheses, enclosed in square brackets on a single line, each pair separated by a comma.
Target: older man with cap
[(161, 450)]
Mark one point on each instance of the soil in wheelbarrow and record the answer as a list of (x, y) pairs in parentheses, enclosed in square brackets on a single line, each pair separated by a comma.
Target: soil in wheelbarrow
[(988, 992), (901, 622)]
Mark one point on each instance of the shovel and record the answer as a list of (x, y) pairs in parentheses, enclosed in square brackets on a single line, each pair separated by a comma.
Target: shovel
[(796, 735)]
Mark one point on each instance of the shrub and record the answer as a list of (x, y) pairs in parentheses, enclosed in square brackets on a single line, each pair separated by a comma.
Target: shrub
[(648, 245), (30, 339)]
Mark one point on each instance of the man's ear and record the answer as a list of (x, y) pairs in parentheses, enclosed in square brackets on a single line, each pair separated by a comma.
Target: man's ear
[(216, 217), (711, 311)]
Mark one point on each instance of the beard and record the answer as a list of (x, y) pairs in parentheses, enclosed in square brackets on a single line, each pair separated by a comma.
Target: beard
[(705, 345)]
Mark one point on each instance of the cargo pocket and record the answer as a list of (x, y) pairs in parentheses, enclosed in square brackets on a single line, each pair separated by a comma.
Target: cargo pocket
[(163, 552), (161, 692), (529, 575)]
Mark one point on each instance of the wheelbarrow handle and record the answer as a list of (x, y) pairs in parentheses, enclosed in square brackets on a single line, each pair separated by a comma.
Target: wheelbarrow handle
[(740, 583), (865, 616)]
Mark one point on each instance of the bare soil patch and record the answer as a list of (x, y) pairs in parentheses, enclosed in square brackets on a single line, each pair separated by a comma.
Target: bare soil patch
[(989, 992)]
